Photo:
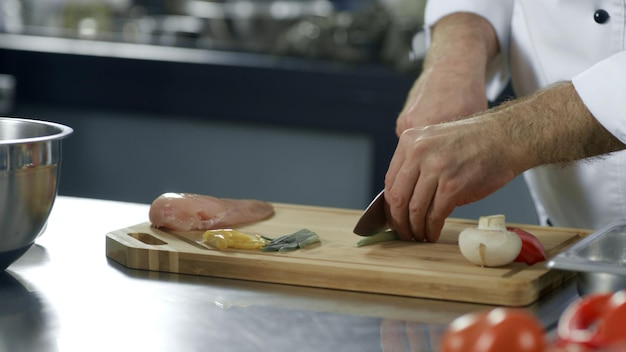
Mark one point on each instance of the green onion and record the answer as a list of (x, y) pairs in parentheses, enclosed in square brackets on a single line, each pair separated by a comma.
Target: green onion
[(382, 236), (299, 239)]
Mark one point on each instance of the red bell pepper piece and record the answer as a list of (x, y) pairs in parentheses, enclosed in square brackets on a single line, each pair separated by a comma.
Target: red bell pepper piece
[(595, 321), (532, 251)]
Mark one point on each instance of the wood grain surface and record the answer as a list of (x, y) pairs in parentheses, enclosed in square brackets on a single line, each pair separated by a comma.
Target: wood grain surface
[(426, 270)]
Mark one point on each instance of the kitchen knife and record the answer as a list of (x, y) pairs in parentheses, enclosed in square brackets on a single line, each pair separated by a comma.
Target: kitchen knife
[(373, 220)]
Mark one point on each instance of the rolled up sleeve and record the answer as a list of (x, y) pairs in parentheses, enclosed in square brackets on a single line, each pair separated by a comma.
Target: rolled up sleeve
[(602, 89), (498, 13)]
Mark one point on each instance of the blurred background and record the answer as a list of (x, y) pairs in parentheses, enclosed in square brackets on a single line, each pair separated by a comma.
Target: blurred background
[(344, 30), (282, 100)]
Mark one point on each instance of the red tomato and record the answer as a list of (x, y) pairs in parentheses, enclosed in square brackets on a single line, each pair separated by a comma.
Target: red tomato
[(596, 320), (569, 348), (497, 330), (532, 250)]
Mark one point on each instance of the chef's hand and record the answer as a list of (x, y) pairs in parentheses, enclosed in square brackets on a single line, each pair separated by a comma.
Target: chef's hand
[(442, 94), (452, 83), (436, 168)]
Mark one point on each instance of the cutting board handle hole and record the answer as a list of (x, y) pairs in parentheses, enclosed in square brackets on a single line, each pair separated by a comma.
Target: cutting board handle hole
[(147, 238)]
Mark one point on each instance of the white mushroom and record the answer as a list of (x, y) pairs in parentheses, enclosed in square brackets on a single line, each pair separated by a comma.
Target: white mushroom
[(490, 244)]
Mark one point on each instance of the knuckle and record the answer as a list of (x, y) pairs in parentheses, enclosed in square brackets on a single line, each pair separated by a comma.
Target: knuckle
[(447, 186), (415, 207), (395, 198)]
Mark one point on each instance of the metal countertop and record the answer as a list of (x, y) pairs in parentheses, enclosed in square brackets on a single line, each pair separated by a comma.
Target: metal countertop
[(65, 295)]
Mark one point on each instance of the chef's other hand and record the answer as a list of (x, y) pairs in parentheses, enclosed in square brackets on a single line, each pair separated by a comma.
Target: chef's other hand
[(438, 167), (441, 93), (452, 82)]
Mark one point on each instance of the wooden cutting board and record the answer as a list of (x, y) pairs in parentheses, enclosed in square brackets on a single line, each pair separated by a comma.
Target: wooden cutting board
[(427, 270)]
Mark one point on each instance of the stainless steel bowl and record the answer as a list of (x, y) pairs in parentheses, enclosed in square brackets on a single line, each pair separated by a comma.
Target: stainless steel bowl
[(30, 161), (599, 259)]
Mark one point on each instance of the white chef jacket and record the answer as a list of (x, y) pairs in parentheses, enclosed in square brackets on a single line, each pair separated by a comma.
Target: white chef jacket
[(546, 41)]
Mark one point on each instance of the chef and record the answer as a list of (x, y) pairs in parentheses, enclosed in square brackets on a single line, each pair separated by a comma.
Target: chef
[(564, 132)]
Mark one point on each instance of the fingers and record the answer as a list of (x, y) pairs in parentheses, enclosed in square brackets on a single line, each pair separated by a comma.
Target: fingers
[(420, 207), (408, 194), (417, 205), (440, 208), (400, 181), (413, 212)]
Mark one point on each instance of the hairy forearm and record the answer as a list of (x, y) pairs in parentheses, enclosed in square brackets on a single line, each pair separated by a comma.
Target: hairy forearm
[(553, 126), (452, 83)]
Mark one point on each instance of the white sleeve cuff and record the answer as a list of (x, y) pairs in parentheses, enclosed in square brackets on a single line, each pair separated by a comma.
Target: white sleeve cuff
[(602, 89), (498, 14)]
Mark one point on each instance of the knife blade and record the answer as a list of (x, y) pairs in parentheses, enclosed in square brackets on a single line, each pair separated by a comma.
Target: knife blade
[(373, 220)]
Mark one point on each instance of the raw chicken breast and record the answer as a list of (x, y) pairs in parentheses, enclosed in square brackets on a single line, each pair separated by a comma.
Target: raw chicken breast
[(187, 212)]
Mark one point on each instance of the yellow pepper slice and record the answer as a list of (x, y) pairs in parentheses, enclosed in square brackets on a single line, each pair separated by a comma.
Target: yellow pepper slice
[(229, 238)]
